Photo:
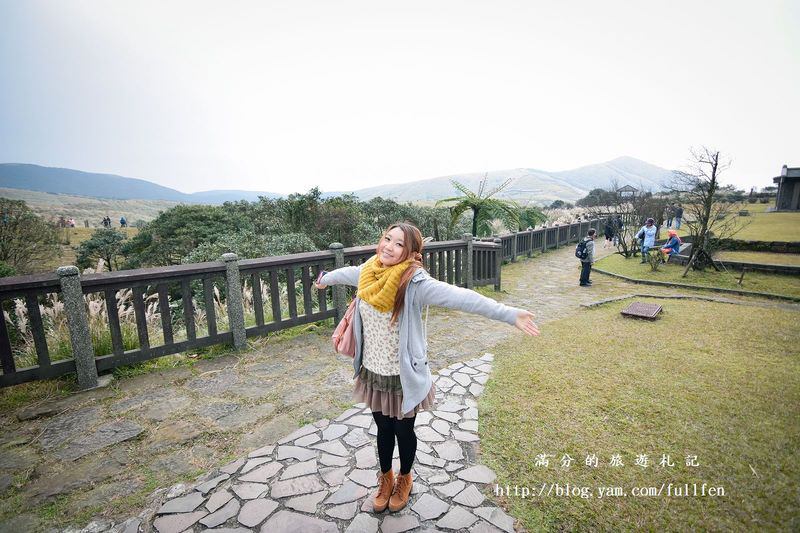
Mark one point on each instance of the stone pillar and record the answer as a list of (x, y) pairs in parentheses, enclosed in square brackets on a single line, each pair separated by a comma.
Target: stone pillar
[(514, 250), (78, 323), (468, 266), (339, 291), (498, 263), (235, 303)]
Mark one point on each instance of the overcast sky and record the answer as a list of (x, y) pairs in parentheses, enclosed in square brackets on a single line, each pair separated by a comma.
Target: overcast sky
[(282, 96)]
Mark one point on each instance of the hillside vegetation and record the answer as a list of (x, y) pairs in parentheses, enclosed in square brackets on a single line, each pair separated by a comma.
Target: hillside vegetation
[(51, 206)]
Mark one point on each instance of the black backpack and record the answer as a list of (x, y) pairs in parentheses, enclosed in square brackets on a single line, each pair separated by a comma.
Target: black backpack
[(580, 251)]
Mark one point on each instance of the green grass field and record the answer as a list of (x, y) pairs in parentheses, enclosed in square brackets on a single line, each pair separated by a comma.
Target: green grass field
[(712, 380), (753, 281), (770, 227), (764, 258), (763, 226)]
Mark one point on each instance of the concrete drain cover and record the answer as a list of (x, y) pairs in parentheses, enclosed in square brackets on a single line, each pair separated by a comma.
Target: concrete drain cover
[(642, 310)]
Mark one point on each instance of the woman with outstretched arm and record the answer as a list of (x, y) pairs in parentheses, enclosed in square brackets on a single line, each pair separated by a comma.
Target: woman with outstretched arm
[(392, 375)]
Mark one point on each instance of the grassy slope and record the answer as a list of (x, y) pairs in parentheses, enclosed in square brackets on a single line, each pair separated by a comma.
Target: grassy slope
[(753, 281), (711, 391), (85, 208), (764, 258), (75, 236), (762, 226)]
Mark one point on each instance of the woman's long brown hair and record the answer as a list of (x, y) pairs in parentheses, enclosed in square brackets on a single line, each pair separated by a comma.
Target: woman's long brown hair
[(412, 239)]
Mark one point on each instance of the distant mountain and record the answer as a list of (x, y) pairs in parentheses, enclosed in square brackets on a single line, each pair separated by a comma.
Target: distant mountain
[(229, 195), (625, 170), (76, 182), (531, 185)]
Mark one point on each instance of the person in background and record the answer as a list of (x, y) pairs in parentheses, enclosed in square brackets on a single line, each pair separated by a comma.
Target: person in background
[(618, 227), (122, 222), (670, 214), (678, 216), (586, 264), (672, 246), (608, 232), (647, 237)]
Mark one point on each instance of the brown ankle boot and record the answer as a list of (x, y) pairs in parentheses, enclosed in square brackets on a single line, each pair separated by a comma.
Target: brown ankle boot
[(385, 486), (402, 489)]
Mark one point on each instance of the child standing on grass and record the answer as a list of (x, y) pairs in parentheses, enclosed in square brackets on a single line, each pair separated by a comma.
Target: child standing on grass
[(392, 375)]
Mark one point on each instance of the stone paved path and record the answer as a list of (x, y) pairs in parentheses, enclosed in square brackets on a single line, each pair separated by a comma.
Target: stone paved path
[(321, 476), (112, 444)]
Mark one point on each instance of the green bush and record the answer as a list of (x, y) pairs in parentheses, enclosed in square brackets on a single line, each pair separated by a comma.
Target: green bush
[(6, 270)]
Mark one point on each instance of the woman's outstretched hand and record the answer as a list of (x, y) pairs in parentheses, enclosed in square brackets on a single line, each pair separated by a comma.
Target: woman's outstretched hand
[(320, 285), (525, 323)]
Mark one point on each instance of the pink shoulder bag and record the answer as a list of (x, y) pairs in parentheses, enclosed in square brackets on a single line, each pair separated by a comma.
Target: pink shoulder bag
[(344, 337)]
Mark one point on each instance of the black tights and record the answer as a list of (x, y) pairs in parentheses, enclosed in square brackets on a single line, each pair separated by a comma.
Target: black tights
[(388, 429)]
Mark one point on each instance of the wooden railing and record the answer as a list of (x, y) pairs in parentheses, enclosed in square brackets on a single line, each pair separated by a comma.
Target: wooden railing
[(543, 239), (117, 318), (153, 312)]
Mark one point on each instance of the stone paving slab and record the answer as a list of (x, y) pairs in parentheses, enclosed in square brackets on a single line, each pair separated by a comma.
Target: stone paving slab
[(321, 477)]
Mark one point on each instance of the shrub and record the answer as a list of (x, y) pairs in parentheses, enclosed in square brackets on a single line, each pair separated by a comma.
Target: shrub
[(654, 258), (6, 270)]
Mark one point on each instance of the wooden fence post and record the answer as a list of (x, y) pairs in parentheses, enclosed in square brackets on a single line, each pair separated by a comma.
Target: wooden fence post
[(468, 266), (234, 299), (514, 250), (339, 291), (78, 323), (530, 245), (498, 263)]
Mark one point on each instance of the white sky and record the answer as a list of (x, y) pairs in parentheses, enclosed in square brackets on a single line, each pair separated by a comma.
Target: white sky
[(282, 96)]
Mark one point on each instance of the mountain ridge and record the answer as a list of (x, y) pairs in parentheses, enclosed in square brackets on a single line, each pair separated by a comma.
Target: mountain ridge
[(529, 185)]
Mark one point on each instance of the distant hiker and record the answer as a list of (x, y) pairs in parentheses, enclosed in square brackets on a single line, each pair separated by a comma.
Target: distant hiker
[(71, 222), (392, 374), (585, 252), (647, 237), (122, 222), (618, 227), (678, 216), (608, 232), (670, 212)]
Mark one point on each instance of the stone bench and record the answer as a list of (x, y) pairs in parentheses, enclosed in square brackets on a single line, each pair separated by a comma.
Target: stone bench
[(683, 255)]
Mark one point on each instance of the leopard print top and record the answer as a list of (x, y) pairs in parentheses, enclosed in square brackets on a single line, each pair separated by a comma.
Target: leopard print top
[(381, 341)]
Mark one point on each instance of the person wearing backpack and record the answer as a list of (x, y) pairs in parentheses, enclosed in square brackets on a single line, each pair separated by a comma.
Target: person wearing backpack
[(585, 252), (392, 375)]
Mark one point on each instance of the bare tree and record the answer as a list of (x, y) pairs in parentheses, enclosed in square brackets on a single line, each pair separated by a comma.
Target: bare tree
[(632, 212), (707, 215)]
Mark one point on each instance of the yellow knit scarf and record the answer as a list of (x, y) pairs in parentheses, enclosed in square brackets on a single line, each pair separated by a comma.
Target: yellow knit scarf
[(378, 284)]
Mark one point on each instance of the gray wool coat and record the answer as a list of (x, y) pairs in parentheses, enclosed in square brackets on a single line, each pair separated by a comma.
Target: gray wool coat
[(423, 290)]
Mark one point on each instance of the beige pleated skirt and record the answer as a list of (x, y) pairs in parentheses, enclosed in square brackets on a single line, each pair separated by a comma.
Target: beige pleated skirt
[(384, 394)]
